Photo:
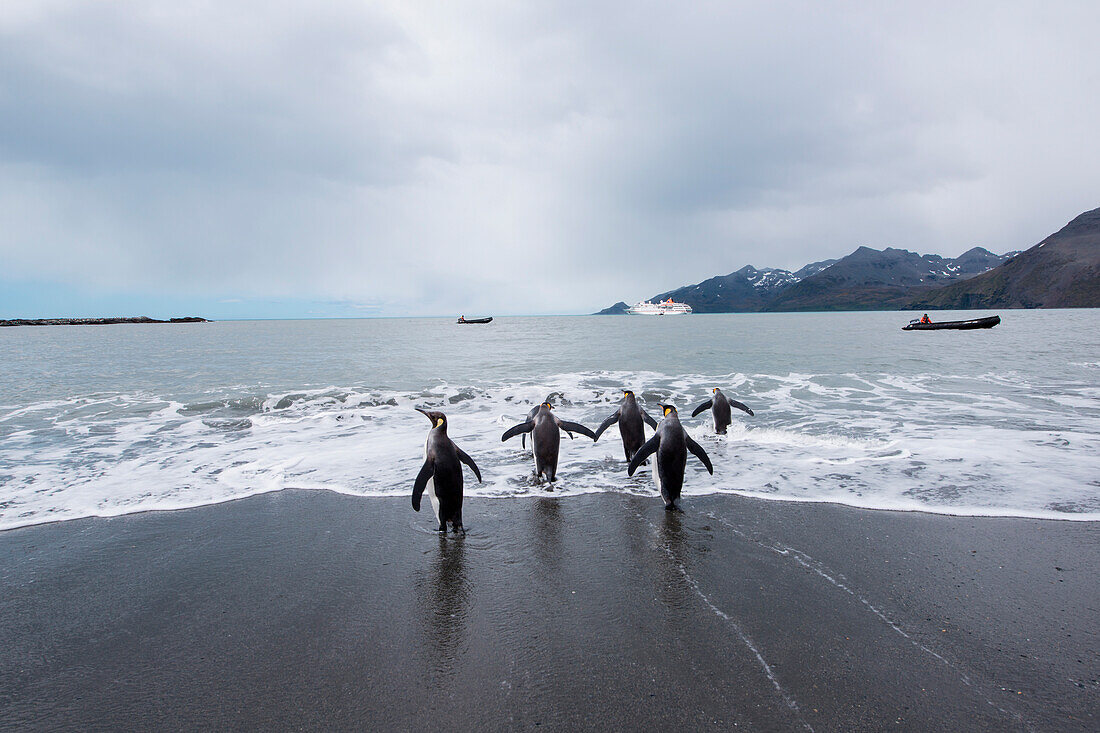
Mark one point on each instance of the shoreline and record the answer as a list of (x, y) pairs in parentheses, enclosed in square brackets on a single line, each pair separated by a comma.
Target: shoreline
[(307, 608), (1073, 518)]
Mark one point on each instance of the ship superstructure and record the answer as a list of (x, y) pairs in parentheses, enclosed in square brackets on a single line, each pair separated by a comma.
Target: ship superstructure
[(661, 308)]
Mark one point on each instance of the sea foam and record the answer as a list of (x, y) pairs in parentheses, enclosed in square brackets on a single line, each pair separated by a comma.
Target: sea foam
[(976, 446)]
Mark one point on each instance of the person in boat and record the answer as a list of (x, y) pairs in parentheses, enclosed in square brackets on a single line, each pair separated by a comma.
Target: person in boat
[(462, 319), (925, 319)]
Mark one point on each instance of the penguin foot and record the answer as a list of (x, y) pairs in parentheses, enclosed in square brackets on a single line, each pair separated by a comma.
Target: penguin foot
[(673, 508), (442, 529)]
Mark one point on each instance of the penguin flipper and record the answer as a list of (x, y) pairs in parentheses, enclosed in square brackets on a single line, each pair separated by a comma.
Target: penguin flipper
[(739, 406), (523, 427), (575, 427), (462, 456), (705, 406), (649, 420), (531, 418), (698, 452), (426, 472), (607, 423), (647, 449)]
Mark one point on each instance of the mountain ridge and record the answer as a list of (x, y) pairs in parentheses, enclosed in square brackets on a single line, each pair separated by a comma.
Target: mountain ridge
[(1061, 271)]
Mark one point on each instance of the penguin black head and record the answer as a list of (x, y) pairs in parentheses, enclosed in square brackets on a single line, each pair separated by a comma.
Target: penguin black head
[(439, 420), (666, 409), (547, 405), (627, 393), (714, 391)]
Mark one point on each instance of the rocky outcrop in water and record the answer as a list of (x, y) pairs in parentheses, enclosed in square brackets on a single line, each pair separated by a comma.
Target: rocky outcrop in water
[(95, 321), (616, 310)]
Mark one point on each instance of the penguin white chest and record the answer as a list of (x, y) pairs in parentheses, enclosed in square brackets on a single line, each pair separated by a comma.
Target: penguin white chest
[(535, 451), (429, 489)]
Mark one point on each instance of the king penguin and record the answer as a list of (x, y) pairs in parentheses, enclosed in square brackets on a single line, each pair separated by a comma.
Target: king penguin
[(441, 474), (630, 417), (544, 428), (534, 411), (671, 444), (719, 406)]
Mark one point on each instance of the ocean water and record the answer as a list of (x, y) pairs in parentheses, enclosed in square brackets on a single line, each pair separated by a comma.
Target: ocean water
[(106, 420)]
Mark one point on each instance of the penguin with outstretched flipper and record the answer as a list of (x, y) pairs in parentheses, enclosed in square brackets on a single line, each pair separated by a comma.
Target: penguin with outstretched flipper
[(630, 417), (671, 444), (534, 411), (441, 475), (719, 406), (545, 429)]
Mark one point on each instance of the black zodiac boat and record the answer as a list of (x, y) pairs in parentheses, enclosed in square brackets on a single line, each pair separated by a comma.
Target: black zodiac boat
[(474, 320), (989, 322)]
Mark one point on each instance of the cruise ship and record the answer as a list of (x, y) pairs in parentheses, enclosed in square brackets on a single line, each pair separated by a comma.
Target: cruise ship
[(663, 308)]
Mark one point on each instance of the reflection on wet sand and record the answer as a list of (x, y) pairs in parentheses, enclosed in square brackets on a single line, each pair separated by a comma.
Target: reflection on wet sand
[(546, 524), (672, 545), (444, 597)]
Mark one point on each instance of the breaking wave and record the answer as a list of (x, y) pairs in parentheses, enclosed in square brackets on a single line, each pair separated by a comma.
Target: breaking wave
[(985, 445)]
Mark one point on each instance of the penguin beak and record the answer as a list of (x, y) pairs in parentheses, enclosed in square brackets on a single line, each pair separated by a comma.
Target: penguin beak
[(424, 413)]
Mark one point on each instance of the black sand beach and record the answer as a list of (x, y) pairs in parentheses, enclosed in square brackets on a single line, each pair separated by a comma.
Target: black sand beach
[(311, 610)]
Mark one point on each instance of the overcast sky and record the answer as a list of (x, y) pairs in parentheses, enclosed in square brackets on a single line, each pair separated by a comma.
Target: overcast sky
[(268, 159)]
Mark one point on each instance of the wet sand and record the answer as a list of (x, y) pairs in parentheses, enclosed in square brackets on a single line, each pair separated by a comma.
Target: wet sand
[(320, 611)]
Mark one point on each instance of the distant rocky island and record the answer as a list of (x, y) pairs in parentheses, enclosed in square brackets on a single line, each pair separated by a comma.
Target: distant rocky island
[(1062, 271), (95, 321)]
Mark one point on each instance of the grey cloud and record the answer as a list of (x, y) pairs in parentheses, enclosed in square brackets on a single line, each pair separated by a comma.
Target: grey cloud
[(499, 158), (108, 89)]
